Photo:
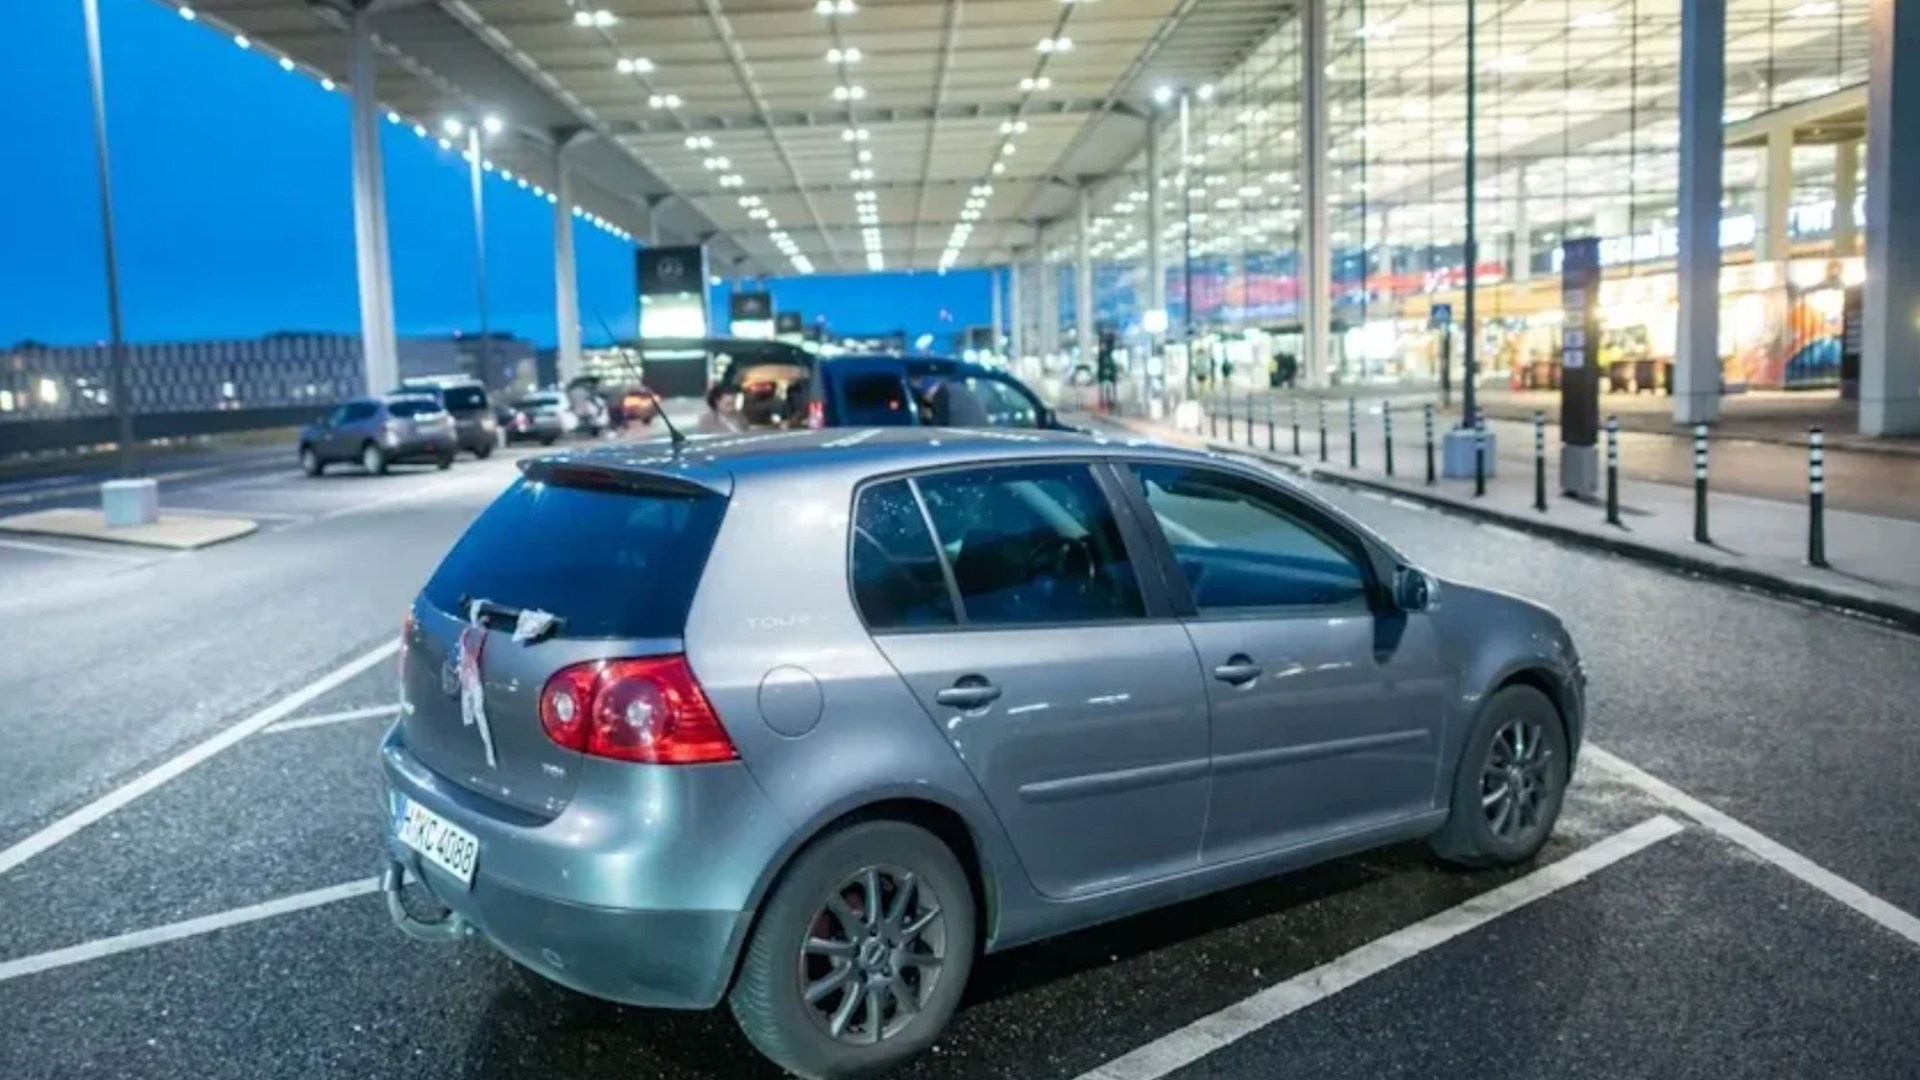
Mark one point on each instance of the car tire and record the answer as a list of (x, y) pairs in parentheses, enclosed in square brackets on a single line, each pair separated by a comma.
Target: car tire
[(483, 451), (1518, 746), (443, 462), (548, 440), (373, 459), (310, 462), (769, 1000)]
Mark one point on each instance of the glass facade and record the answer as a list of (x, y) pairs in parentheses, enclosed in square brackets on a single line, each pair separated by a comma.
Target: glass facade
[(1575, 123)]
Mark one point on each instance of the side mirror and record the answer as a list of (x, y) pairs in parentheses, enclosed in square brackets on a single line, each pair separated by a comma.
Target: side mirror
[(1414, 589)]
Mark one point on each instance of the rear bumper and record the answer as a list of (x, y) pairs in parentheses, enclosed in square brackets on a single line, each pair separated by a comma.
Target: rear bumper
[(421, 448), (656, 959), (613, 898)]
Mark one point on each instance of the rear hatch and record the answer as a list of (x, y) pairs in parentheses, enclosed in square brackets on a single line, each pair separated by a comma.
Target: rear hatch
[(417, 418), (613, 557), (468, 404)]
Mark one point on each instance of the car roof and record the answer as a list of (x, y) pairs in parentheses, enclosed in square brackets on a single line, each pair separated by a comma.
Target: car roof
[(715, 461)]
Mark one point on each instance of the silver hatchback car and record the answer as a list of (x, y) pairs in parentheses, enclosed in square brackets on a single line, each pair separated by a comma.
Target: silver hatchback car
[(806, 721)]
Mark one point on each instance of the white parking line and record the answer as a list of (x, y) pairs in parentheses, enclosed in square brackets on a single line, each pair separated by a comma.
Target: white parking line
[(152, 779), (206, 924), (264, 515), (1210, 1033), (1880, 911), (324, 719), (77, 553)]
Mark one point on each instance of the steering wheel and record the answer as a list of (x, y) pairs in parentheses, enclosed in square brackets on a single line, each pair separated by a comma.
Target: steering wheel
[(1062, 562)]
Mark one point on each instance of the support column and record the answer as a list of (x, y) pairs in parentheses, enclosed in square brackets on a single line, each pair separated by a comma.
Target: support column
[(1083, 277), (566, 288), (1703, 82), (1049, 301), (380, 362), (1776, 245), (1520, 251), (1890, 353), (1846, 191), (993, 275), (1016, 313), (1316, 292), (1156, 295)]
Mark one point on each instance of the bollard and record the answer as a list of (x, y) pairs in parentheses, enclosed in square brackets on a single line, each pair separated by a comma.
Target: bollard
[(1479, 454), (1352, 435), (1323, 431), (1249, 418), (1386, 424), (1540, 461), (1700, 484), (1426, 415), (1229, 413), (1269, 423), (1613, 470), (1816, 498), (1293, 415), (1213, 418)]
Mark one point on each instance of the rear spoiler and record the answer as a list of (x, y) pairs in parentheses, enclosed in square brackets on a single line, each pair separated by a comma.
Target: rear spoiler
[(593, 476)]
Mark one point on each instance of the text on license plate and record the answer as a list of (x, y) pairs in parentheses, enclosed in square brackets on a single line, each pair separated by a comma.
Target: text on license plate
[(445, 844)]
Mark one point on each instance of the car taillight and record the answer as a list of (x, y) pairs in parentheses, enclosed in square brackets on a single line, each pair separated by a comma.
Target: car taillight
[(816, 413), (649, 710)]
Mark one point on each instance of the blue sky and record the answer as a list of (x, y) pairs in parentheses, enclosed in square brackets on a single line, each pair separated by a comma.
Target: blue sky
[(234, 210)]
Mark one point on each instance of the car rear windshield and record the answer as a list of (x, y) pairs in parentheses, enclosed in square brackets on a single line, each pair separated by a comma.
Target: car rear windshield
[(414, 407), (537, 404), (464, 397), (610, 563)]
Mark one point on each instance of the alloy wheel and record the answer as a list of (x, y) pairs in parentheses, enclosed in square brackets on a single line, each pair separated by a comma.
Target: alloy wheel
[(873, 955), (1516, 780)]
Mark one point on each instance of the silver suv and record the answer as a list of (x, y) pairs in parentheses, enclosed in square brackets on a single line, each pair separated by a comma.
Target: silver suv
[(1010, 685)]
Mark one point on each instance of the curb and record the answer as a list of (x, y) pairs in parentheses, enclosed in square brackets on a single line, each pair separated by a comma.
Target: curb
[(1904, 618)]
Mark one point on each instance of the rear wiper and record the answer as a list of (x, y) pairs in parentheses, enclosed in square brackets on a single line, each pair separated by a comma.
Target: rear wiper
[(530, 625)]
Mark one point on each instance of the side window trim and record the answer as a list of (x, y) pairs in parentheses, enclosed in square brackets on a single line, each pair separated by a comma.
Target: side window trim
[(939, 553), (1147, 550), (1341, 538)]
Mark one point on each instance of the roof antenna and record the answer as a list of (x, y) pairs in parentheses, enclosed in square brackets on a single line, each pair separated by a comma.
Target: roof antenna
[(675, 439)]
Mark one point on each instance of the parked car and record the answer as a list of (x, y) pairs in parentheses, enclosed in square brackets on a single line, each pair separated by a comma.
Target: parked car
[(378, 432), (542, 418), (877, 391), (466, 401), (1010, 688)]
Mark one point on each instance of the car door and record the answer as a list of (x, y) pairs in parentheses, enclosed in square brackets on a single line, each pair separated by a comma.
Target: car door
[(1063, 685), (345, 435), (1326, 707)]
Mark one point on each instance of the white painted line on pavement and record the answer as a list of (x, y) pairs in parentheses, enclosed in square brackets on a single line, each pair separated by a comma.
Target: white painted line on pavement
[(1880, 911), (206, 924), (77, 553), (1210, 1033), (152, 779), (324, 719), (1409, 504), (276, 515)]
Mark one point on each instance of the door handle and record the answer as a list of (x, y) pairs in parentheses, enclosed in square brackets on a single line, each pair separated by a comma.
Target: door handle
[(1239, 670), (969, 692)]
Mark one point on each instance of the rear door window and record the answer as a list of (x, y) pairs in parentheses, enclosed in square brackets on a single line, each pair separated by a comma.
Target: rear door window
[(1032, 544), (897, 577), (610, 563), (874, 399)]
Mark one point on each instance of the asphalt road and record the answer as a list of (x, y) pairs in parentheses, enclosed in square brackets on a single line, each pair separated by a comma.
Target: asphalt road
[(1691, 956)]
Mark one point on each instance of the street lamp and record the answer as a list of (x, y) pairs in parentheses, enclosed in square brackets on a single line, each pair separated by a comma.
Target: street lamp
[(489, 126), (122, 407)]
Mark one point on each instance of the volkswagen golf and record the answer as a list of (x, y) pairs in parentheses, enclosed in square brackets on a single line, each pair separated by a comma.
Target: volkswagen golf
[(1012, 685)]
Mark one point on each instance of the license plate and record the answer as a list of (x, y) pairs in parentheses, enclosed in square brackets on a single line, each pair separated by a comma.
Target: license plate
[(445, 844)]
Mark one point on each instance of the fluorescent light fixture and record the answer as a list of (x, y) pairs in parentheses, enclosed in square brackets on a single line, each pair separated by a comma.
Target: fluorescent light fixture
[(599, 17), (636, 65), (453, 127), (1163, 94), (492, 125)]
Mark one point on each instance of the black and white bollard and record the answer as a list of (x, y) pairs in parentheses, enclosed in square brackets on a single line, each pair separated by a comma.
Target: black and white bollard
[(1426, 416), (1479, 454), (1540, 461), (1353, 434), (1613, 470), (1386, 425), (1816, 498), (1323, 431), (1700, 485)]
